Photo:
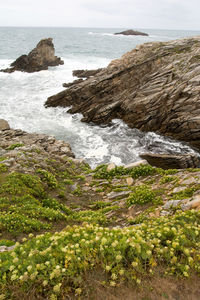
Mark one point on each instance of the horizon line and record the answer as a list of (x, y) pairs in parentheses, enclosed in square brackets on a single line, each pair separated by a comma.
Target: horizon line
[(97, 27)]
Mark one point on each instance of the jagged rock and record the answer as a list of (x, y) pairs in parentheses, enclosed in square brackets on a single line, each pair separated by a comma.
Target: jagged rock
[(194, 203), (111, 166), (86, 73), (4, 125), (173, 203), (154, 87), (132, 32), (168, 161), (136, 164), (190, 180), (129, 180), (66, 85), (40, 58), (33, 143), (116, 195), (179, 189)]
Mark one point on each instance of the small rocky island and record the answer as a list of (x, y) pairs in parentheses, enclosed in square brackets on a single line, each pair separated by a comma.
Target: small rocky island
[(131, 32), (154, 87), (40, 58)]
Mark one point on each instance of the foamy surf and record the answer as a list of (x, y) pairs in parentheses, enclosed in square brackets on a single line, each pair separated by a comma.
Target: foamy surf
[(22, 95)]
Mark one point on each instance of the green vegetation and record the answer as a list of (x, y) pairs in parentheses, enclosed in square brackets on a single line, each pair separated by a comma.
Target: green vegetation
[(52, 265), (2, 158), (48, 177), (143, 170), (140, 171), (3, 168), (142, 195), (187, 193), (167, 179), (13, 146)]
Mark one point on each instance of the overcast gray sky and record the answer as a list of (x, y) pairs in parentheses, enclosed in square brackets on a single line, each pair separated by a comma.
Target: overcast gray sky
[(160, 14)]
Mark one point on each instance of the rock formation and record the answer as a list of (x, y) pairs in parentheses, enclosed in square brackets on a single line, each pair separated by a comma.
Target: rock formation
[(154, 87), (167, 161), (66, 85), (4, 125), (86, 73), (40, 58), (131, 32)]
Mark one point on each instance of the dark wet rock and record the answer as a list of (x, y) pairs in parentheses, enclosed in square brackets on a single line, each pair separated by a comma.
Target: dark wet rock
[(154, 87), (168, 161), (86, 73), (131, 32), (40, 58)]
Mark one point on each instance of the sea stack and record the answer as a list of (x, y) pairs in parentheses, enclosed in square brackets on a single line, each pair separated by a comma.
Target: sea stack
[(40, 58)]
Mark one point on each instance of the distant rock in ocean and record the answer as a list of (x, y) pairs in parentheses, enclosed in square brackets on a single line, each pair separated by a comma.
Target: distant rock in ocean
[(155, 87), (131, 32), (40, 58)]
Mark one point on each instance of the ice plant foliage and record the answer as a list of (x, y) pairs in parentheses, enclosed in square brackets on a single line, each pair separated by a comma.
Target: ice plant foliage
[(50, 261)]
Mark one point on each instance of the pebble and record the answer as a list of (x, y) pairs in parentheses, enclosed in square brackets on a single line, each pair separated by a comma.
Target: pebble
[(115, 195), (111, 166)]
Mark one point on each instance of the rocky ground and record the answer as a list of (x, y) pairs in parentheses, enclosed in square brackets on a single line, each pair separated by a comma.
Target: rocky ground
[(154, 87), (70, 232)]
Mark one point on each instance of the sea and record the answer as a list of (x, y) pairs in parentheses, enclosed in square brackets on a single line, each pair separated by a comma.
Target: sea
[(22, 95)]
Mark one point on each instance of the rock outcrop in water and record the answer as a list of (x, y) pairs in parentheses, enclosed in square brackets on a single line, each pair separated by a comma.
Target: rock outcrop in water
[(40, 58), (168, 161), (132, 32), (154, 87)]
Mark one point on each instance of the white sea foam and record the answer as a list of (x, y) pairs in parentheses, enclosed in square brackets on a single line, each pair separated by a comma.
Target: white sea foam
[(22, 97)]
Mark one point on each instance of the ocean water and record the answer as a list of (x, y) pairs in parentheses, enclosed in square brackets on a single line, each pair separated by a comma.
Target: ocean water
[(22, 95)]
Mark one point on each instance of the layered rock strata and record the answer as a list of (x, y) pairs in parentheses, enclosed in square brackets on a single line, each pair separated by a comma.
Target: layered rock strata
[(86, 73), (40, 58), (154, 87), (168, 161)]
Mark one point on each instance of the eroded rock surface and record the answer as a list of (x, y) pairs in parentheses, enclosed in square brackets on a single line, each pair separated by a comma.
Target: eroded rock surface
[(154, 87), (168, 161), (131, 32), (86, 73), (40, 58), (4, 125)]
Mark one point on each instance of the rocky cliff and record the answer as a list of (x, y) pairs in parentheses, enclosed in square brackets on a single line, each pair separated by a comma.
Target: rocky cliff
[(40, 58), (154, 87)]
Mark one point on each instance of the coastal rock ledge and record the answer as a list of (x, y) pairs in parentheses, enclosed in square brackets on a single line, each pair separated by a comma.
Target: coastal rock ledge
[(154, 87), (40, 58)]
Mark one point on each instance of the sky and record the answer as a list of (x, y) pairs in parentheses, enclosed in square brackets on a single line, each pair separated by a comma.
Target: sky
[(148, 14)]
